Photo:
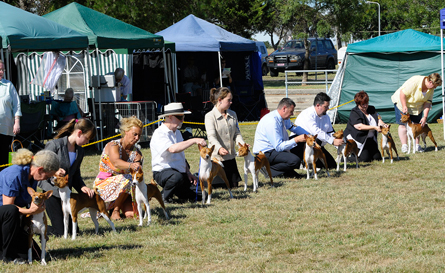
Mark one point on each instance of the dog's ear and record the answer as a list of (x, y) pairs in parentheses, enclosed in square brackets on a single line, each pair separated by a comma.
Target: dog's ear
[(389, 126), (212, 148), (240, 145), (316, 136), (48, 194), (199, 147), (380, 126), (31, 191), (305, 136)]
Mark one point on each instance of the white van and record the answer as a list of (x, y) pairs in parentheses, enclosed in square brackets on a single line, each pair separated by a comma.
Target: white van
[(261, 47), (341, 54)]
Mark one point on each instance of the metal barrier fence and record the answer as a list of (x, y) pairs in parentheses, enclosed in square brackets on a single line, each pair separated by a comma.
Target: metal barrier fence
[(143, 110), (326, 81)]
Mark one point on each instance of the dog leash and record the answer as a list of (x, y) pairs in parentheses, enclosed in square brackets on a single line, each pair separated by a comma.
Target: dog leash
[(198, 183)]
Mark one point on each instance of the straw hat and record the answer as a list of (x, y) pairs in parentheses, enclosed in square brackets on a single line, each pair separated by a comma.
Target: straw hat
[(173, 108)]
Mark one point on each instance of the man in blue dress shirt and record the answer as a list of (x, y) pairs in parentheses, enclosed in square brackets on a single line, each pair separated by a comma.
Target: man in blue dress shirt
[(271, 137)]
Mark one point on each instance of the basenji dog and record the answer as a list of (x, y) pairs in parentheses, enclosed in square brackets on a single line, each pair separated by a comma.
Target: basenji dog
[(312, 153), (208, 169), (387, 143), (415, 130), (143, 193), (72, 203), (38, 224), (253, 165), (344, 150)]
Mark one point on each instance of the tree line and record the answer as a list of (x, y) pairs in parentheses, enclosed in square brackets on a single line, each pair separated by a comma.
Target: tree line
[(346, 19)]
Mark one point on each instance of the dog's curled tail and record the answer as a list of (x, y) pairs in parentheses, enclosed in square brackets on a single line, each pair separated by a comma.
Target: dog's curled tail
[(153, 182)]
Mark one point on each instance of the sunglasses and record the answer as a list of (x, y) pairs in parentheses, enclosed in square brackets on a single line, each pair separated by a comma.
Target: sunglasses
[(179, 117)]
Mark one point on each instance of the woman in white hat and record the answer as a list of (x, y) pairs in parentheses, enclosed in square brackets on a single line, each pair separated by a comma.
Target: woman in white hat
[(170, 169)]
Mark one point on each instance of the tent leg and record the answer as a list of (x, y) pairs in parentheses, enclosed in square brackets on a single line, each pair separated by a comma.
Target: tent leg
[(443, 93), (220, 72), (165, 75)]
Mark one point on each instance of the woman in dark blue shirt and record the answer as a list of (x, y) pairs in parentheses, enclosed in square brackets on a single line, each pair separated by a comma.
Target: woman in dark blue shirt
[(14, 198)]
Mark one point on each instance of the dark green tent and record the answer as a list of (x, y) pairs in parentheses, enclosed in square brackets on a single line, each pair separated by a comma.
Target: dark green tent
[(22, 31), (104, 31), (380, 66)]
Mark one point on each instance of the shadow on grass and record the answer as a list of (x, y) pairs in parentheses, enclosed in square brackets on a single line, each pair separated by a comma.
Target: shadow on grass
[(70, 252)]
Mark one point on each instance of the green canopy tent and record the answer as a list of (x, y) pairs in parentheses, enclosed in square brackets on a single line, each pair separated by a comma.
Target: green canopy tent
[(21, 31), (380, 66), (105, 32)]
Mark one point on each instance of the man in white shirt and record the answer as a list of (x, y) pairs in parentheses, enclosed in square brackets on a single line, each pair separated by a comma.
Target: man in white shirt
[(315, 121), (272, 139), (170, 169)]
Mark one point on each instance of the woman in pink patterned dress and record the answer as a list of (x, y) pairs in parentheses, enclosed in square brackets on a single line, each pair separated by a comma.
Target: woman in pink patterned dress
[(114, 180)]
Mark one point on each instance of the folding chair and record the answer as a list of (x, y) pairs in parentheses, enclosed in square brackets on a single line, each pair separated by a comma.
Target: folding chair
[(32, 125)]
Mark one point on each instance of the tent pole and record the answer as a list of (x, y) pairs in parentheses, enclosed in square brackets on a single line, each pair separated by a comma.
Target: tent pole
[(100, 101), (165, 74), (220, 72), (7, 65), (443, 98), (175, 73)]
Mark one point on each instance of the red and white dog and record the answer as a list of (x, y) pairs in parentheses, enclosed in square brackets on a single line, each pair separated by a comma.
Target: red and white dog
[(415, 130), (387, 143), (144, 193), (344, 150), (312, 153), (38, 224), (72, 203), (253, 165), (208, 169)]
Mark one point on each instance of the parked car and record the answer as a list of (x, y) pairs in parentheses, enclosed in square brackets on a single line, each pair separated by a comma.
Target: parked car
[(291, 57), (261, 47)]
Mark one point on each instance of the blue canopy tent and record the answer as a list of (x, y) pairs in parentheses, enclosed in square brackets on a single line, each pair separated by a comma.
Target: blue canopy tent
[(194, 36), (380, 66)]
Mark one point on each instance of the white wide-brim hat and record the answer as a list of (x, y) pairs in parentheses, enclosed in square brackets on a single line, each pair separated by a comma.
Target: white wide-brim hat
[(173, 108)]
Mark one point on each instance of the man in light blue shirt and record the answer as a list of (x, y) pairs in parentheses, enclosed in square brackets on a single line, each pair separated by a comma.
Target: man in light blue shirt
[(271, 137)]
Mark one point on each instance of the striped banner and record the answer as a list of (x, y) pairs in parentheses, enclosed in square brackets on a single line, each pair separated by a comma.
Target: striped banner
[(28, 64)]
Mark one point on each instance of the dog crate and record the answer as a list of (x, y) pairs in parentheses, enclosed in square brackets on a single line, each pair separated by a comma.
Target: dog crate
[(143, 110)]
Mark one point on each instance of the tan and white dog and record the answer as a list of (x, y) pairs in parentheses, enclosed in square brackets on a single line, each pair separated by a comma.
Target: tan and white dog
[(253, 165), (208, 169), (312, 153), (143, 193), (344, 150), (72, 203), (38, 224), (387, 143), (415, 130)]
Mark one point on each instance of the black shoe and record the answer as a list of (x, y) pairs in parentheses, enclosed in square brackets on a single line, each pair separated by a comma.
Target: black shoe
[(291, 174), (15, 261), (168, 200)]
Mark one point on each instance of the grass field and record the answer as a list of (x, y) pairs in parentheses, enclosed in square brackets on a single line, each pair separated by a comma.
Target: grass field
[(378, 218)]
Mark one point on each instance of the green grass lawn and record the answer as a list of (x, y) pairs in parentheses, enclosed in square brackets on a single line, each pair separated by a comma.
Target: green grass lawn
[(378, 218)]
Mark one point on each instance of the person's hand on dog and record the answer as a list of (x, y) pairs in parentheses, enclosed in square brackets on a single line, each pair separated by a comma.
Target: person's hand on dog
[(299, 138), (88, 191), (423, 121), (222, 151), (200, 141), (34, 209), (338, 142), (60, 172)]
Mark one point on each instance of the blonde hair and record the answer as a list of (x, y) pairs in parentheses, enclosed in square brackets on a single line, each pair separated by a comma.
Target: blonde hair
[(128, 123), (44, 158), (435, 79), (218, 93)]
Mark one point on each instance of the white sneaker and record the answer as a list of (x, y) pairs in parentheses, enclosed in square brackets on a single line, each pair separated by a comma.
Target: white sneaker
[(419, 149), (404, 148)]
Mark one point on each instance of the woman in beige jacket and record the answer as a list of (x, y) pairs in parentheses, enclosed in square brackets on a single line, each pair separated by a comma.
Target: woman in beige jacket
[(223, 131)]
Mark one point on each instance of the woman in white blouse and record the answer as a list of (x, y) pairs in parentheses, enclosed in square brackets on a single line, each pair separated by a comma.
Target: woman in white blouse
[(223, 131), (363, 124)]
